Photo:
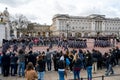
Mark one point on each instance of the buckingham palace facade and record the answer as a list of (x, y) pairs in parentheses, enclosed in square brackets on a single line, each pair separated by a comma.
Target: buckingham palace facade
[(84, 26)]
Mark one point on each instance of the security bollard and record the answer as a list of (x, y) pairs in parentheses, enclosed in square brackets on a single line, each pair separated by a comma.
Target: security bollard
[(103, 77), (81, 78)]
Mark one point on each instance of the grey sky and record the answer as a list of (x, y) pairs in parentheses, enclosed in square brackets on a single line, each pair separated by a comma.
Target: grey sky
[(42, 11), (14, 3)]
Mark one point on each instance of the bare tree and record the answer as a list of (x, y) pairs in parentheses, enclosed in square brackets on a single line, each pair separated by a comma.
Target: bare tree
[(21, 21), (18, 22)]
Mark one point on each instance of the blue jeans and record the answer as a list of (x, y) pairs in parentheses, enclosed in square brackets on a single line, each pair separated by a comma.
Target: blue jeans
[(41, 75), (13, 68), (0, 69), (61, 75), (89, 72), (76, 75), (21, 68), (107, 65), (110, 69), (49, 65)]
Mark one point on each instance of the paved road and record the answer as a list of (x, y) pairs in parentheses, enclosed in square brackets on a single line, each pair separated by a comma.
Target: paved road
[(89, 43)]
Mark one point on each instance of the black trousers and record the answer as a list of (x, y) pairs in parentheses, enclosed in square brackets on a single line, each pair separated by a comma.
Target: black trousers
[(13, 69), (5, 69)]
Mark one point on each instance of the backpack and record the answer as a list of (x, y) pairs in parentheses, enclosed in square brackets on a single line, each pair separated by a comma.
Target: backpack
[(61, 64), (67, 62)]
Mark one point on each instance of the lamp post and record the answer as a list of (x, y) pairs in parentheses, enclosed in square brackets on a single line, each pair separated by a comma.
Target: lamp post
[(67, 31), (67, 26), (118, 32)]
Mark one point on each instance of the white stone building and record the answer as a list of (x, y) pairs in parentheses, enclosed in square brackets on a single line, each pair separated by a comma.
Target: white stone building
[(80, 26)]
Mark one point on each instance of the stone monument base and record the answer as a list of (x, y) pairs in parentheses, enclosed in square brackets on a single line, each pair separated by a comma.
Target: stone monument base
[(2, 33)]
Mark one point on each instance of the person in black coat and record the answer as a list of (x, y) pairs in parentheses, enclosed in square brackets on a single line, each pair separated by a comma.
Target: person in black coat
[(13, 64), (95, 60), (110, 62), (31, 58), (30, 45), (15, 47), (55, 61), (62, 68), (40, 67), (117, 55), (89, 62), (100, 60), (5, 64)]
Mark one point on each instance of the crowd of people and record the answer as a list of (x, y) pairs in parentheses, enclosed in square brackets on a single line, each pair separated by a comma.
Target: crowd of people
[(20, 59), (104, 42), (69, 43), (77, 43)]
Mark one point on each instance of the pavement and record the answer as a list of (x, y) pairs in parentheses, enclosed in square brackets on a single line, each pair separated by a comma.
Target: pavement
[(89, 47), (53, 75)]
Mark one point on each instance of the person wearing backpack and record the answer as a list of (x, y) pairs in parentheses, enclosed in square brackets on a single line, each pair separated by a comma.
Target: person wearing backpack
[(67, 61), (61, 68), (82, 57), (40, 67)]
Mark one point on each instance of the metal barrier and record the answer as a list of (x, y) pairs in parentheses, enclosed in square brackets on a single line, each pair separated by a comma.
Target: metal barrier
[(102, 77)]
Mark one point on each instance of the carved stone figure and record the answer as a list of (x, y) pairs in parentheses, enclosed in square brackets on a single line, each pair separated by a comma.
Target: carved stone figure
[(6, 13)]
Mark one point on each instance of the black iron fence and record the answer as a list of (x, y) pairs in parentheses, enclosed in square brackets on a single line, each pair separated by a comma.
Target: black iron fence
[(102, 77)]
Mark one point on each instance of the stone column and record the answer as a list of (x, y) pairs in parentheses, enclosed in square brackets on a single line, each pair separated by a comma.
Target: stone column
[(47, 34), (73, 34), (66, 34), (82, 34), (29, 34), (7, 31), (93, 26), (103, 26), (40, 33), (93, 29), (34, 34)]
